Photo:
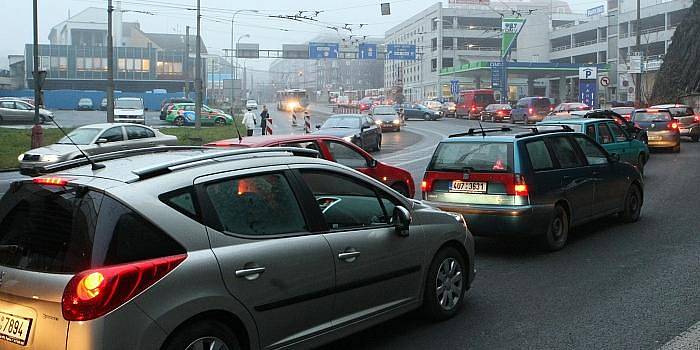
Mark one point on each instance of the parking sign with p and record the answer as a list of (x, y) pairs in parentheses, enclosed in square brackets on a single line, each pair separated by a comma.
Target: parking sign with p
[(588, 73)]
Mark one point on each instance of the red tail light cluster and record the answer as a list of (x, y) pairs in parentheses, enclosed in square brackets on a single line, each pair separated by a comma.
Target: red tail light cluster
[(696, 119), (50, 181), (530, 110), (94, 293), (518, 187), (673, 125)]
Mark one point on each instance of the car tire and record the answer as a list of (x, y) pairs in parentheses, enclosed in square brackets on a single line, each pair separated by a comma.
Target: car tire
[(219, 122), (42, 119), (400, 187), (633, 205), (695, 138), (179, 121), (426, 116), (677, 148), (448, 272), (557, 231), (203, 333)]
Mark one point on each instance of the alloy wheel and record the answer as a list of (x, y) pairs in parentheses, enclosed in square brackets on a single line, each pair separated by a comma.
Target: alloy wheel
[(207, 343), (448, 284)]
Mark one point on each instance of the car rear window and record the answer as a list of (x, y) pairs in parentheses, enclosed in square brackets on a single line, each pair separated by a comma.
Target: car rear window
[(540, 102), (484, 100), (681, 111), (59, 229), (473, 156), (651, 116)]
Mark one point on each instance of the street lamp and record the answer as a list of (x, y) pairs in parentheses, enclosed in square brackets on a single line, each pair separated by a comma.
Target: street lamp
[(233, 68)]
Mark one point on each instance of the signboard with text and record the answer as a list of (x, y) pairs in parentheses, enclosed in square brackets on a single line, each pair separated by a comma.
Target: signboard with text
[(400, 52), (588, 92), (323, 50), (510, 27), (598, 10), (588, 73), (368, 51)]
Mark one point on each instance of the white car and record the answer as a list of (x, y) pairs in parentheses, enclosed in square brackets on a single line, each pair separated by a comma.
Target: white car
[(129, 110), (252, 104)]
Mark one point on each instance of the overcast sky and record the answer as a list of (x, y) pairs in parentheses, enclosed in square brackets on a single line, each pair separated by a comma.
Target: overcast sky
[(170, 16)]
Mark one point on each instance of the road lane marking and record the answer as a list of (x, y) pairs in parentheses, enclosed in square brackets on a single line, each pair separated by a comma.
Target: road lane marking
[(688, 340)]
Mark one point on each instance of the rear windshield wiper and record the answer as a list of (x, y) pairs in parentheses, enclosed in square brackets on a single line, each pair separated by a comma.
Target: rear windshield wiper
[(10, 248)]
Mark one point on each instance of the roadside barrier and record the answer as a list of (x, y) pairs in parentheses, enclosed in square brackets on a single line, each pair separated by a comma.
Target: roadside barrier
[(268, 126), (294, 119), (307, 123), (346, 110)]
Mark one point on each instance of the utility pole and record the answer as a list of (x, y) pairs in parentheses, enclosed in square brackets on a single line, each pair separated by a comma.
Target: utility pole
[(110, 64), (233, 67), (198, 72), (638, 81), (37, 131), (186, 62)]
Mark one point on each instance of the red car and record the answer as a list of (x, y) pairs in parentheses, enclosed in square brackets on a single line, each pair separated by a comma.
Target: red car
[(337, 150), (366, 104)]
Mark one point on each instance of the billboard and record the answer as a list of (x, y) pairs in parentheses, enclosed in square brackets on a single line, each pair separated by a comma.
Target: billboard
[(598, 10), (400, 52), (510, 27)]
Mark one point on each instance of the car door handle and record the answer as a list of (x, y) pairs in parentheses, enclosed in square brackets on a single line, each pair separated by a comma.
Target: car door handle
[(250, 273), (349, 256)]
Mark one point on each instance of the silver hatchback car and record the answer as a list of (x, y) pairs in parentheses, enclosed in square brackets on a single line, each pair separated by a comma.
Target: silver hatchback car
[(189, 248)]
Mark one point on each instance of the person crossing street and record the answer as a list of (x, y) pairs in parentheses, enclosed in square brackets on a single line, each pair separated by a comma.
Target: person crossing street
[(264, 115), (249, 121)]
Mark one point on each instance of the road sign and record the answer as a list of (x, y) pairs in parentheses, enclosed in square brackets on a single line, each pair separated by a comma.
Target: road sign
[(454, 87), (368, 51), (386, 8), (588, 92), (588, 73), (496, 75), (604, 81), (401, 52), (323, 50), (595, 11)]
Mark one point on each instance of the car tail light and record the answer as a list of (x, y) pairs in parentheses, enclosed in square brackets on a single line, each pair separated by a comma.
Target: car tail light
[(673, 125), (50, 181), (500, 112), (696, 119), (473, 108), (424, 186), (530, 110), (518, 187), (94, 293)]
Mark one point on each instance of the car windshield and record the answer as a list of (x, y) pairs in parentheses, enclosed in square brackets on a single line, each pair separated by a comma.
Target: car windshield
[(384, 110), (623, 110), (128, 104), (345, 122), (85, 101), (473, 156), (651, 116), (81, 136)]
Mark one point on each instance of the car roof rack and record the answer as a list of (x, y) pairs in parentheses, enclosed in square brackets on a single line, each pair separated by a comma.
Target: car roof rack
[(479, 131), (534, 131), (168, 167)]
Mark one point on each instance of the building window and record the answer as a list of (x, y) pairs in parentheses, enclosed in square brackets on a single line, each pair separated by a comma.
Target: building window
[(433, 44), (433, 65), (447, 62), (434, 23)]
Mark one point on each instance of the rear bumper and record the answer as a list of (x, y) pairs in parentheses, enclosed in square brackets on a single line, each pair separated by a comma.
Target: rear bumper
[(691, 130), (501, 221), (140, 120), (663, 139)]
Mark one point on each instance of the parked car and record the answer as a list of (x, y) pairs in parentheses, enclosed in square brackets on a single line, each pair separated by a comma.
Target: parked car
[(129, 110), (359, 129), (103, 104), (168, 104), (28, 100), (523, 182), (336, 150), (568, 107), (433, 105), (252, 104), (470, 103), (95, 139), (418, 111), (498, 112), (191, 248), (449, 109), (343, 101), (688, 121), (85, 104), (386, 117), (365, 104), (530, 110), (662, 129), (625, 112), (183, 114), (18, 111), (611, 136)]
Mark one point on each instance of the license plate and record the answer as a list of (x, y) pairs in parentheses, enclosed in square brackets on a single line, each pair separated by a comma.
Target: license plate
[(14, 329), (468, 187), (654, 138)]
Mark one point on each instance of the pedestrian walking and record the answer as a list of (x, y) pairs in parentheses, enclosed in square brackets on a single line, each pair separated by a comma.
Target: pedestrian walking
[(249, 121), (264, 115), (402, 116)]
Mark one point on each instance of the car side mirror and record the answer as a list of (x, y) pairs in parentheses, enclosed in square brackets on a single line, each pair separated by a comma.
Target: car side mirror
[(402, 220), (614, 158), (372, 163), (101, 141), (318, 126)]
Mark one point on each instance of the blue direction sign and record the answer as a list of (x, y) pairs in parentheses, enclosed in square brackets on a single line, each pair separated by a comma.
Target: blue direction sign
[(588, 92), (401, 52), (368, 51), (454, 87), (323, 50)]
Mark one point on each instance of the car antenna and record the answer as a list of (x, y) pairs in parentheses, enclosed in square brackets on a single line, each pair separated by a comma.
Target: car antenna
[(240, 138), (483, 133), (95, 166)]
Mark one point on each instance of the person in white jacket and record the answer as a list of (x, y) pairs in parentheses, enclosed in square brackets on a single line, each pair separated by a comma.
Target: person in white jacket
[(249, 121)]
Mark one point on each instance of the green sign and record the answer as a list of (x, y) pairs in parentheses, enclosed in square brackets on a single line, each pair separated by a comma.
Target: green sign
[(510, 27)]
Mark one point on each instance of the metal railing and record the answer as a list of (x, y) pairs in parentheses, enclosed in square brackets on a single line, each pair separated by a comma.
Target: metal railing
[(561, 48), (586, 43)]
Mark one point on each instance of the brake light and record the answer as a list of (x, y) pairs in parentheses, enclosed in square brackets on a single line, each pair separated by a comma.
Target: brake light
[(473, 108), (500, 112), (521, 190), (551, 108), (673, 125), (424, 186), (50, 181), (530, 110), (94, 293), (696, 119), (519, 186)]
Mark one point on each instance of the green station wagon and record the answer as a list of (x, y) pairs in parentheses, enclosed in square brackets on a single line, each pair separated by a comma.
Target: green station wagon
[(611, 136), (181, 114)]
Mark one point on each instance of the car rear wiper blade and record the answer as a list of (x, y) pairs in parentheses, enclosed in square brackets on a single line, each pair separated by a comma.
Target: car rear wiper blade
[(10, 248)]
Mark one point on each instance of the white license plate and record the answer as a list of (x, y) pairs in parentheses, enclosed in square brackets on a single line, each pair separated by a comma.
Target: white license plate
[(468, 187), (654, 138), (14, 329)]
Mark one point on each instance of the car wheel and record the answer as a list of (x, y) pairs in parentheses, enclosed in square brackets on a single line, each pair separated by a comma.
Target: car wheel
[(445, 286), (219, 122), (42, 119), (426, 116), (695, 138), (401, 188), (633, 205), (557, 231), (677, 148), (179, 121), (203, 335)]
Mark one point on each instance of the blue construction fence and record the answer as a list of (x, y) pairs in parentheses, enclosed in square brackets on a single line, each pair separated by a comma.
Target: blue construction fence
[(68, 99)]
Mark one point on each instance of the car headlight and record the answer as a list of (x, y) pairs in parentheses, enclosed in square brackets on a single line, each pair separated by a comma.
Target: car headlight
[(378, 122), (49, 158), (396, 121), (20, 157)]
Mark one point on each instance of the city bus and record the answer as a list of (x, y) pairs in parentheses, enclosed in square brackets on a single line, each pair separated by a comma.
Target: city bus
[(292, 100)]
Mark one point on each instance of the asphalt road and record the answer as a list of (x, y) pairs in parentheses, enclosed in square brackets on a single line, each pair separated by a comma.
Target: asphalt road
[(614, 286)]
